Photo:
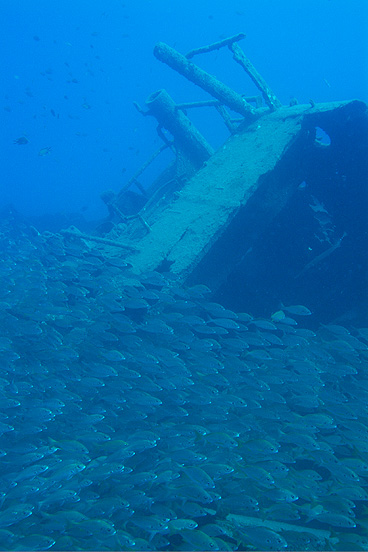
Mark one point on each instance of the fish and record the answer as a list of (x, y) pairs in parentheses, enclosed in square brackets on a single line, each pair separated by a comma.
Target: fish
[(178, 524), (14, 514), (297, 310), (44, 151), (261, 538), (335, 520), (139, 413), (21, 141), (34, 542), (260, 475), (198, 539), (150, 524), (281, 495), (99, 528), (200, 476)]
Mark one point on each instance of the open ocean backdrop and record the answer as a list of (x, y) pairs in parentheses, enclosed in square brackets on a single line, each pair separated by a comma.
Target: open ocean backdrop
[(71, 71)]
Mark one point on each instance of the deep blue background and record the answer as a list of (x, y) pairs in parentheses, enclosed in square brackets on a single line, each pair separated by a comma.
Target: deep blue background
[(310, 49)]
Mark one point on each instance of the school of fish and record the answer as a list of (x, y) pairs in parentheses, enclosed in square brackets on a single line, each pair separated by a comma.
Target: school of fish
[(136, 414)]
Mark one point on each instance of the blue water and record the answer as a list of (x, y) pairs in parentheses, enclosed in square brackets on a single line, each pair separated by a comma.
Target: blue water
[(310, 49)]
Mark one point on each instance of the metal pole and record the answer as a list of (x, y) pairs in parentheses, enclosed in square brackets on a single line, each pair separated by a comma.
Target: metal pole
[(201, 78), (186, 136)]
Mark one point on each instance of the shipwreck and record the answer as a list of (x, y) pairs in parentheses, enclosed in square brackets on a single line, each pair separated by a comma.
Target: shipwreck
[(278, 212)]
